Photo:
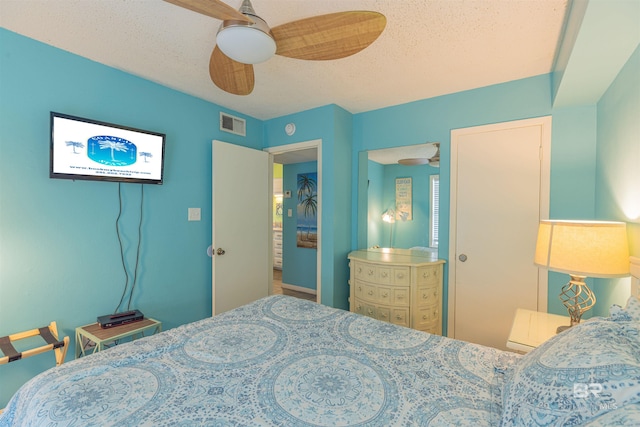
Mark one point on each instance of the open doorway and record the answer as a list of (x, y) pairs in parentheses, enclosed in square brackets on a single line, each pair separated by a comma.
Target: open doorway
[(296, 262)]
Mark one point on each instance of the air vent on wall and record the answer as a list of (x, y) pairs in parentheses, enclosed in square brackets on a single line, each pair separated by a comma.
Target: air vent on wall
[(232, 124)]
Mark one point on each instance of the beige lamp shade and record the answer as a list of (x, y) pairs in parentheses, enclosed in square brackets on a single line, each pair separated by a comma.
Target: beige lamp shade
[(587, 248)]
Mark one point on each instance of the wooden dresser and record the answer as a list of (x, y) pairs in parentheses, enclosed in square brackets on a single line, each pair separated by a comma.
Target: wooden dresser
[(400, 286)]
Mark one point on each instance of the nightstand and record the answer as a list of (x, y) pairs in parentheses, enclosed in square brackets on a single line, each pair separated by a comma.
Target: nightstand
[(532, 328), (92, 338)]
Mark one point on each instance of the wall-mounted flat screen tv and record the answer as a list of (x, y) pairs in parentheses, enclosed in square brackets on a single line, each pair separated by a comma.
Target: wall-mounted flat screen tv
[(88, 149)]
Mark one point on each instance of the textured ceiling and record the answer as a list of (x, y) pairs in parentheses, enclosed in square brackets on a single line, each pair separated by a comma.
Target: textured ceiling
[(429, 48)]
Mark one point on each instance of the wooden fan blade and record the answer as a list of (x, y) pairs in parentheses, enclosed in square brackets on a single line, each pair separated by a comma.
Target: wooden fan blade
[(213, 8), (231, 76), (332, 36)]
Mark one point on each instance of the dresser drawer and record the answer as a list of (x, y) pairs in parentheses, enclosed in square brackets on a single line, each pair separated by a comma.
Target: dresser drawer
[(395, 315), (366, 291), (434, 328), (381, 274), (363, 271), (401, 276), (363, 308), (428, 318), (428, 295), (429, 275), (400, 316), (277, 244), (380, 294), (393, 275), (393, 295)]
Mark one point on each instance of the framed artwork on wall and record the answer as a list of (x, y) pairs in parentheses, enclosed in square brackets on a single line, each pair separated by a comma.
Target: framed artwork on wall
[(403, 199), (307, 209)]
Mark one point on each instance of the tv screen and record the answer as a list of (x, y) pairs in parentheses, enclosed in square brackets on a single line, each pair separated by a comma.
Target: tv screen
[(88, 149)]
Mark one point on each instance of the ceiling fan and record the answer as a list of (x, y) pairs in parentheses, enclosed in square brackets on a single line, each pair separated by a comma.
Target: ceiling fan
[(245, 39), (430, 157)]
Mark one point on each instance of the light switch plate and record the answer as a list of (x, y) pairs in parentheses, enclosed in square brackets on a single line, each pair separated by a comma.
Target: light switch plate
[(194, 214)]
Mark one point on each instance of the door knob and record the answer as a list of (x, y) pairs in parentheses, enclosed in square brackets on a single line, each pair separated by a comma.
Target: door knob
[(220, 251), (462, 257)]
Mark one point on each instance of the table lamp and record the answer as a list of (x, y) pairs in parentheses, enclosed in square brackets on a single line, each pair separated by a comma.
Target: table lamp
[(581, 249)]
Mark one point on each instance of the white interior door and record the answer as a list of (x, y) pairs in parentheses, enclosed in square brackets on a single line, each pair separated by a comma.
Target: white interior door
[(241, 229), (499, 194)]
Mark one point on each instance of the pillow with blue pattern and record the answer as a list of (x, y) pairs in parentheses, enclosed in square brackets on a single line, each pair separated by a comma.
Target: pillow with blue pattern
[(576, 376), (630, 313)]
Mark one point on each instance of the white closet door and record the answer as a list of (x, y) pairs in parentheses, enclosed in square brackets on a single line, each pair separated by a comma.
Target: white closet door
[(500, 187)]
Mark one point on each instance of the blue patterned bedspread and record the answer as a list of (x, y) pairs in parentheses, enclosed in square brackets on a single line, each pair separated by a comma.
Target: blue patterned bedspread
[(279, 361)]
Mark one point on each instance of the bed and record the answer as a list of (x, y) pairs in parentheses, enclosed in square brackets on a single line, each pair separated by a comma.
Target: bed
[(281, 361)]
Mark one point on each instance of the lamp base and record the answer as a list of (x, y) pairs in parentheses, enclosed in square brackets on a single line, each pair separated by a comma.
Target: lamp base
[(577, 298)]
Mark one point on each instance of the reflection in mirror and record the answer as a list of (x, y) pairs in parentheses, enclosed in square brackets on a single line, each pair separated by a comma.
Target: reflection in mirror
[(381, 189)]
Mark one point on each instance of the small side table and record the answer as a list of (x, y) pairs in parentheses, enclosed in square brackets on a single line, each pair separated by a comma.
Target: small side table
[(532, 328), (98, 337)]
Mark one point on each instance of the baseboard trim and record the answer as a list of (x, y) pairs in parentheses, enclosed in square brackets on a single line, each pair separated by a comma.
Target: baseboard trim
[(299, 289)]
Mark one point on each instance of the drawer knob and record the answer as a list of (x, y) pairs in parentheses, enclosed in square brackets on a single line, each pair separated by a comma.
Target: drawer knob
[(370, 312), (370, 272), (398, 317), (384, 274), (359, 269), (385, 294), (400, 275), (384, 316), (360, 288), (425, 296), (400, 296), (370, 292), (424, 317)]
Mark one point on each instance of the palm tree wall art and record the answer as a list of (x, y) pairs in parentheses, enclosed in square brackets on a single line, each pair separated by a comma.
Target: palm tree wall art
[(307, 209)]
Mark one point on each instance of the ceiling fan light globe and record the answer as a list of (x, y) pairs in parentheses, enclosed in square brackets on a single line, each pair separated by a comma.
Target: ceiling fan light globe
[(246, 43)]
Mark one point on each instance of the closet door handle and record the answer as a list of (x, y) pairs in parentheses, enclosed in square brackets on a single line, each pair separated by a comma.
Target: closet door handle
[(220, 251)]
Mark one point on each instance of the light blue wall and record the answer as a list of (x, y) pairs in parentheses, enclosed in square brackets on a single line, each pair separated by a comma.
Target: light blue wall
[(573, 164), (618, 168), (59, 256), (333, 126), (299, 265)]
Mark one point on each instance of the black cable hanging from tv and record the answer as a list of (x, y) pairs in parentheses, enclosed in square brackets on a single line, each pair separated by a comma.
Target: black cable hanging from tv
[(124, 264)]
